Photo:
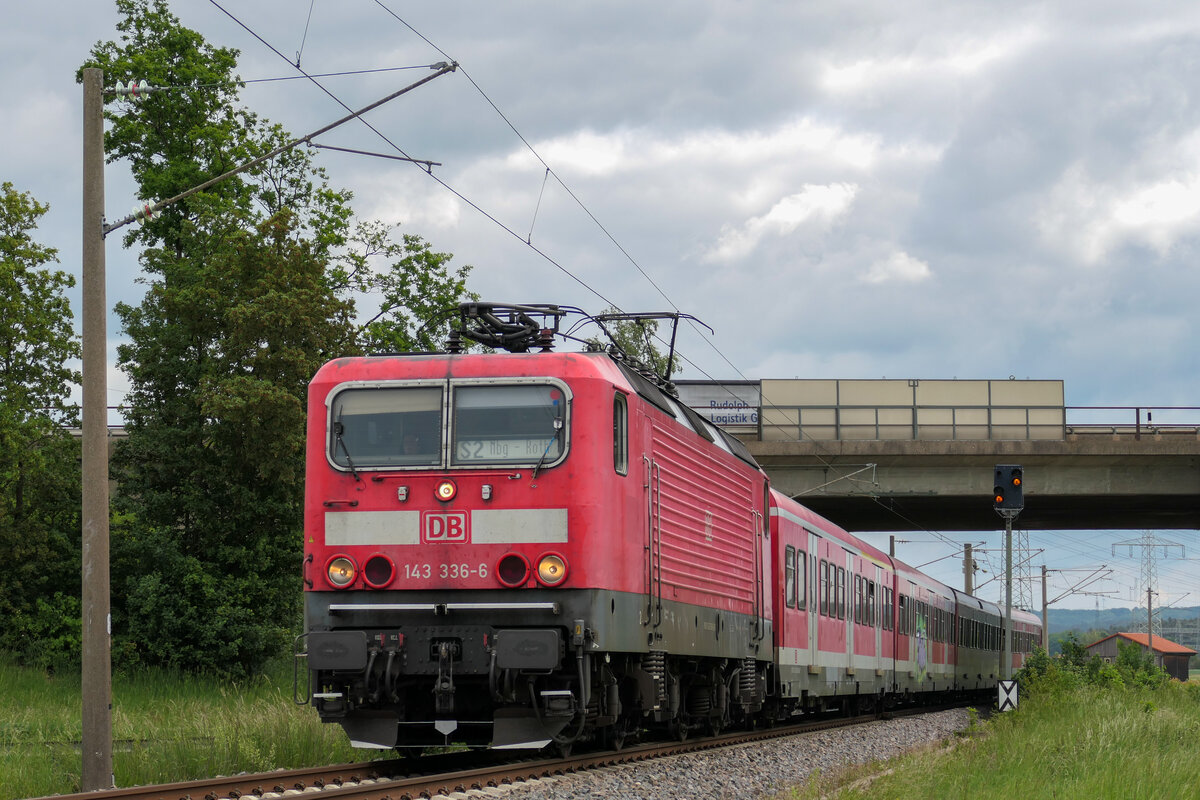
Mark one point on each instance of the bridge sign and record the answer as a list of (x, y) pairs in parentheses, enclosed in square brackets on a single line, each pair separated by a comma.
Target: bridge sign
[(1008, 696)]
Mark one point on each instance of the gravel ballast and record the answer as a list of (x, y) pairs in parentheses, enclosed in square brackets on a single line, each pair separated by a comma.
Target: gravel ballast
[(755, 770)]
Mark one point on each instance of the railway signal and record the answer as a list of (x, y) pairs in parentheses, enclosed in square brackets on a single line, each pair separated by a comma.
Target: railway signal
[(1009, 489)]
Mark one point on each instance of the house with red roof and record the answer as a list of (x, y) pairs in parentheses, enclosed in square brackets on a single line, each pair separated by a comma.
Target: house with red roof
[(1170, 656)]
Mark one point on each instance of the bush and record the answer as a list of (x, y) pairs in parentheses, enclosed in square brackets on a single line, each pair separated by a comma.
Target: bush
[(1045, 675), (195, 615), (48, 637), (1076, 667), (1136, 667)]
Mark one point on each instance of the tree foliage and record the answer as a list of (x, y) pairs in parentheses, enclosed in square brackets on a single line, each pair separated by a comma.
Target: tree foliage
[(636, 339), (251, 285), (39, 475)]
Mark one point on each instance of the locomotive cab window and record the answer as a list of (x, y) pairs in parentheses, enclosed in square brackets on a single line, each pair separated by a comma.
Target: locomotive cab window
[(508, 424), (386, 427)]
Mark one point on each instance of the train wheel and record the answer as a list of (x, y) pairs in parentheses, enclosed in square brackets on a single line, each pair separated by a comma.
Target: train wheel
[(613, 737)]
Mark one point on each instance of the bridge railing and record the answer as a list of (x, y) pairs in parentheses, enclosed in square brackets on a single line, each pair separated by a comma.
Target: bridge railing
[(1133, 420), (969, 423)]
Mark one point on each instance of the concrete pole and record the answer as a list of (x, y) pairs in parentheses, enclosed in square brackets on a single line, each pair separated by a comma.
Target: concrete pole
[(1045, 614), (968, 570), (97, 662)]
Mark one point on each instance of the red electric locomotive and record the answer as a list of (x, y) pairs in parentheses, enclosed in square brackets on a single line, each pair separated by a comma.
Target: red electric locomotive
[(513, 549), (517, 548)]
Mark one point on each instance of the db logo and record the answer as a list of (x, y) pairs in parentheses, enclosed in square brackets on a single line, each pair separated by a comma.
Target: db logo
[(439, 527)]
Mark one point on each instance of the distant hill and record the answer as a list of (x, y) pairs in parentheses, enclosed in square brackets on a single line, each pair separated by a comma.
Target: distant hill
[(1123, 619)]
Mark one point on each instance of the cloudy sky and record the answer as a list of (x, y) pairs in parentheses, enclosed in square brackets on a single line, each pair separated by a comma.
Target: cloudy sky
[(839, 189)]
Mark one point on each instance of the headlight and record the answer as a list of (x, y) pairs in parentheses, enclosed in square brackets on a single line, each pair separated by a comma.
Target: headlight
[(551, 570), (341, 572), (445, 491)]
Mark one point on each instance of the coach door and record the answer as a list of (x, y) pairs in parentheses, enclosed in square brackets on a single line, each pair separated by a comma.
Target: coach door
[(814, 587), (846, 605)]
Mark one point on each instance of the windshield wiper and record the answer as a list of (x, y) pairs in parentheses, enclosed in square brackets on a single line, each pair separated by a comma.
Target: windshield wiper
[(338, 430), (558, 426)]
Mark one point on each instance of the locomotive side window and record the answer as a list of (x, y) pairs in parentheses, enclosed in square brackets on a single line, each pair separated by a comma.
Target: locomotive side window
[(386, 427), (620, 434), (516, 424), (789, 576)]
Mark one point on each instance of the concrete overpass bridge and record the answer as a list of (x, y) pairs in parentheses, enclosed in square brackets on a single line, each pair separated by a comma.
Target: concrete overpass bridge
[(919, 455)]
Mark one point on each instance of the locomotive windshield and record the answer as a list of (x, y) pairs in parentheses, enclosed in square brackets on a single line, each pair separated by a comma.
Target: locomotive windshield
[(489, 423), (387, 427), (518, 424)]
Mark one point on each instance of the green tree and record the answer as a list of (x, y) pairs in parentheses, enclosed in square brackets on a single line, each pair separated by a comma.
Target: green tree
[(250, 287), (416, 285), (1136, 666), (635, 338), (39, 474)]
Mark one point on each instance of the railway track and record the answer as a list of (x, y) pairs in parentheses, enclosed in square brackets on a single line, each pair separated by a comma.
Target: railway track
[(444, 774)]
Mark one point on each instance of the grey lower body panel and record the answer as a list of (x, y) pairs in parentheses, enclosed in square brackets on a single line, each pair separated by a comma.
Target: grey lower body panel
[(496, 668)]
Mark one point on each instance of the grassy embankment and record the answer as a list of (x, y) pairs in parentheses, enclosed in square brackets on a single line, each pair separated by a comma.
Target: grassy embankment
[(1082, 742), (165, 728)]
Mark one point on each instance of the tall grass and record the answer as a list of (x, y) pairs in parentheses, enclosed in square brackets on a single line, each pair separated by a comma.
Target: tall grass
[(1086, 742), (166, 728)]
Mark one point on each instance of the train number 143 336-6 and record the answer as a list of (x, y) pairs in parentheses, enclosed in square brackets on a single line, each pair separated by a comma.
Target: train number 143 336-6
[(451, 571)]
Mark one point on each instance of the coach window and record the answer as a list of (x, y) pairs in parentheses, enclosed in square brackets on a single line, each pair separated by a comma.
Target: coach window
[(814, 583), (871, 613), (824, 587), (841, 593), (789, 576), (858, 600), (386, 427), (801, 579), (620, 434)]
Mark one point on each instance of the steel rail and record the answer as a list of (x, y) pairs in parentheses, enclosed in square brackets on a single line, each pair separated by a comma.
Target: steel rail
[(409, 779)]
